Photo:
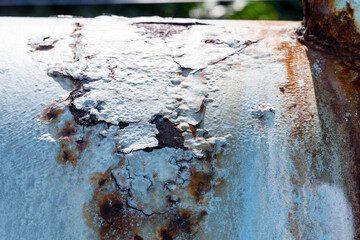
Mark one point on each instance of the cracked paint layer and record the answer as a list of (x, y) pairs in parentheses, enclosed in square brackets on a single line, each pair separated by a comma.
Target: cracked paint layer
[(152, 114), (122, 131)]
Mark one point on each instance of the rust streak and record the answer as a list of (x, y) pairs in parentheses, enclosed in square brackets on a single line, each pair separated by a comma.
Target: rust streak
[(297, 92), (337, 84)]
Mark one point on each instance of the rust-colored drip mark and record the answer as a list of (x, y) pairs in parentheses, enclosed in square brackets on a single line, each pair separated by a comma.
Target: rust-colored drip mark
[(199, 184), (51, 113), (297, 93), (297, 70), (333, 31)]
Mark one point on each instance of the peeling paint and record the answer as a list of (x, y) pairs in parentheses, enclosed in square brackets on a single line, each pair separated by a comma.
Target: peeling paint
[(43, 43), (164, 171), (224, 130)]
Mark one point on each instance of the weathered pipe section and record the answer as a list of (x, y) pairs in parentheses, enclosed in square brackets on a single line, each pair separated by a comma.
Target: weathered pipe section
[(150, 128), (333, 25)]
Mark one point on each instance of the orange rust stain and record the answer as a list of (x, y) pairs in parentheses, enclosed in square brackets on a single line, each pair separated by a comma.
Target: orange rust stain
[(298, 96), (51, 113), (330, 30), (66, 155), (297, 69), (199, 184)]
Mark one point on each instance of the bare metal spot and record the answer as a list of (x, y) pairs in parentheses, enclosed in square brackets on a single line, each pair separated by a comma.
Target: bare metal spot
[(169, 135)]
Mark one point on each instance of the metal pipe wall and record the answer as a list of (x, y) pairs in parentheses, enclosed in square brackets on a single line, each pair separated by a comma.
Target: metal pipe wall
[(150, 128)]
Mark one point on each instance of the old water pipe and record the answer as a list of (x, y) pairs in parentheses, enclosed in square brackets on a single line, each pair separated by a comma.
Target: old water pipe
[(152, 128)]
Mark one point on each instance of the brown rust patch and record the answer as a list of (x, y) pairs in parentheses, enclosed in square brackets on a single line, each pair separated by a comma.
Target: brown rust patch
[(70, 149), (179, 223), (212, 41), (67, 132), (110, 217), (81, 144), (199, 184), (349, 76), (66, 155), (45, 44), (100, 179), (326, 29), (51, 113)]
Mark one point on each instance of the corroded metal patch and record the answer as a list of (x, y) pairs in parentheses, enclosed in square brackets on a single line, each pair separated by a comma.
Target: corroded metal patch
[(331, 27), (167, 160)]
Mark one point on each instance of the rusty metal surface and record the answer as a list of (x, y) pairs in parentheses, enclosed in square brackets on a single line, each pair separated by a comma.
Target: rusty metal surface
[(115, 128), (332, 26)]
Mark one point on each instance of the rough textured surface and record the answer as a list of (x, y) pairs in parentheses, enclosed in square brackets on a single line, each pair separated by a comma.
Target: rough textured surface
[(150, 128), (332, 25)]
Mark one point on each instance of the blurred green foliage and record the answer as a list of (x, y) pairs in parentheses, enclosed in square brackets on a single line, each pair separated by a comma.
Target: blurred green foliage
[(254, 10)]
